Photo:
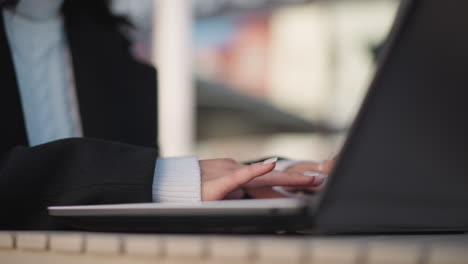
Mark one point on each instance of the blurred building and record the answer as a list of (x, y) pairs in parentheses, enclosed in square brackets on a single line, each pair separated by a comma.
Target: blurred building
[(310, 59), (277, 77)]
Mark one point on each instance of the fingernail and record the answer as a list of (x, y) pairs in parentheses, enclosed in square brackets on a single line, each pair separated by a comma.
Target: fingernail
[(320, 166), (269, 161), (318, 175), (282, 191)]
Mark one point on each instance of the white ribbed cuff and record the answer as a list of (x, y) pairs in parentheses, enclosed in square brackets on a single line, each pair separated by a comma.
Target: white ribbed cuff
[(177, 180)]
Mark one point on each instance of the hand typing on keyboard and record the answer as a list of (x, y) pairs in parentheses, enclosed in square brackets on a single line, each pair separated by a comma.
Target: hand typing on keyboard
[(228, 179), (319, 170)]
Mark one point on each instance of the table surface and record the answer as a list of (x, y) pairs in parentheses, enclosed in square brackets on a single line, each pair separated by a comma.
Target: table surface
[(84, 247)]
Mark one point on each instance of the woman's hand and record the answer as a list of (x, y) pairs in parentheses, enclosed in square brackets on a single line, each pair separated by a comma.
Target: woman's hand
[(228, 179), (304, 168), (324, 167)]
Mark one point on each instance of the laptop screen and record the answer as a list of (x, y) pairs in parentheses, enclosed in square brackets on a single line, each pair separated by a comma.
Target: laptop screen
[(405, 163)]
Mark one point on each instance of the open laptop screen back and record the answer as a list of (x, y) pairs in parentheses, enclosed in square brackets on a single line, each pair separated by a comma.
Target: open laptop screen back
[(405, 164)]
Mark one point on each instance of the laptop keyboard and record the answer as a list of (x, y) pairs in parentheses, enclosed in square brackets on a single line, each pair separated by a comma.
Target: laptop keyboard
[(60, 247)]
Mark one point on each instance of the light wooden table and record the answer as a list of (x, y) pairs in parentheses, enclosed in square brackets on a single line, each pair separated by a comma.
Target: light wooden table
[(82, 247)]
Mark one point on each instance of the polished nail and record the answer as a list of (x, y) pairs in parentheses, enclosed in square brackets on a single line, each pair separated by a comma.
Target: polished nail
[(318, 175), (269, 161), (320, 166)]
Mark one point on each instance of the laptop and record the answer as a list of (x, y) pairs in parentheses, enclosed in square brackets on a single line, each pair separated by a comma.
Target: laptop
[(403, 168)]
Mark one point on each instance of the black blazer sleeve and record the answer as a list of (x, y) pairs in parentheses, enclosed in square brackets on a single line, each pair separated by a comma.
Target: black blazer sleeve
[(117, 100), (71, 172)]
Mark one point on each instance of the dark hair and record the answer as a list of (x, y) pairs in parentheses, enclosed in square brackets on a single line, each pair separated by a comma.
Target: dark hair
[(99, 9), (7, 3)]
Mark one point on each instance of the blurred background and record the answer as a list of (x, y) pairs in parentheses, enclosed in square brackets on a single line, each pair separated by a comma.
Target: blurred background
[(254, 78)]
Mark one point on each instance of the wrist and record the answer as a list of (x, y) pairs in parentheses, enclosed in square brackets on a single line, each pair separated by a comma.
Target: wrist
[(177, 180)]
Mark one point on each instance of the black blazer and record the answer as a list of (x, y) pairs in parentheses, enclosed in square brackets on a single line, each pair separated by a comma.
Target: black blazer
[(113, 163)]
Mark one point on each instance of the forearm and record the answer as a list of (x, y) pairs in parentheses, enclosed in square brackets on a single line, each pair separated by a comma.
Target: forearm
[(71, 171)]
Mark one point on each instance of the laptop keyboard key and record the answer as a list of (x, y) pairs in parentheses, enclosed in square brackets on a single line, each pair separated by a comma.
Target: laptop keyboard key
[(66, 242), (143, 245), (32, 240), (6, 240), (193, 247), (103, 244), (232, 248)]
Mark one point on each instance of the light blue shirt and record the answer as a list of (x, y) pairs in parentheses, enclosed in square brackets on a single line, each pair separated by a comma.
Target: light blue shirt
[(39, 56), (45, 79)]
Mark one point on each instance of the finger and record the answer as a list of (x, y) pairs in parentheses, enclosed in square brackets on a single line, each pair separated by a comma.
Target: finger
[(326, 166), (218, 188), (305, 166), (278, 178), (247, 173), (319, 177)]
